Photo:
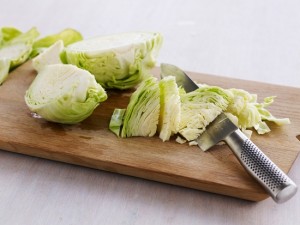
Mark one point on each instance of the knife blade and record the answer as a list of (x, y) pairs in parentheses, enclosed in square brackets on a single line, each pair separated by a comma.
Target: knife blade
[(278, 185)]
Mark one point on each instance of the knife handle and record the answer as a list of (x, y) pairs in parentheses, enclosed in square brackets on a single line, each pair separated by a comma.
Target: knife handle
[(280, 187)]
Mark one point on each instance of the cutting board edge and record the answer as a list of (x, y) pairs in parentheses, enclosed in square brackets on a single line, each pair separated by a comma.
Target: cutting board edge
[(129, 170)]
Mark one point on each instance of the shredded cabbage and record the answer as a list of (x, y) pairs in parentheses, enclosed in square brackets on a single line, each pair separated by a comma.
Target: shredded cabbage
[(201, 107), (250, 113)]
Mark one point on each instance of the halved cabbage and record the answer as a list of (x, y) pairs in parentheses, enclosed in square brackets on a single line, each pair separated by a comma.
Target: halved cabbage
[(170, 111), (118, 61), (49, 56), (64, 94), (142, 113)]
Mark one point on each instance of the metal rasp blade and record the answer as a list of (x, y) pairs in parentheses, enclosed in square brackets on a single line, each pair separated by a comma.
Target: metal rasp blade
[(279, 186)]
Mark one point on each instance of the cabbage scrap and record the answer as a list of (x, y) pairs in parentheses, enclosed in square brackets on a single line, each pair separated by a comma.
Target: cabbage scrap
[(119, 61), (116, 121)]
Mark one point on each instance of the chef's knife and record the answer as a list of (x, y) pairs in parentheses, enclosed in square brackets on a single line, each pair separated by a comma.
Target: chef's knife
[(279, 186)]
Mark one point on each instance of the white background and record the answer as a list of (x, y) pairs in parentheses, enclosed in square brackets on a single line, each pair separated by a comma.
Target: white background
[(256, 40)]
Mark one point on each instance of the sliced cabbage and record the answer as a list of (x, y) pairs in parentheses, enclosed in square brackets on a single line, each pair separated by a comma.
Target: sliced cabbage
[(64, 94), (116, 121), (250, 113), (201, 107), (142, 113), (49, 56), (118, 61), (170, 110), (189, 117), (68, 36)]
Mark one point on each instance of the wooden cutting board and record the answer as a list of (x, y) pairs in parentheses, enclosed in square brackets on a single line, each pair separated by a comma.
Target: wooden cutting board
[(91, 144)]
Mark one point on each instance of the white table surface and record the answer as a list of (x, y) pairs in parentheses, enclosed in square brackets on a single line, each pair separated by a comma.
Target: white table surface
[(252, 40)]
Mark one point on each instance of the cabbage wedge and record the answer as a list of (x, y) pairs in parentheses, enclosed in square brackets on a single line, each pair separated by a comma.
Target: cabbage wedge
[(142, 113), (119, 61), (49, 56), (170, 108), (64, 94)]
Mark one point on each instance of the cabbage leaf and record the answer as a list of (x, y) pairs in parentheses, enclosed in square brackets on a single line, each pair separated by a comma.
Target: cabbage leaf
[(15, 48), (68, 36)]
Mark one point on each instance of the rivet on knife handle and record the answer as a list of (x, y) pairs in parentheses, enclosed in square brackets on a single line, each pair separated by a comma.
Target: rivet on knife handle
[(280, 187)]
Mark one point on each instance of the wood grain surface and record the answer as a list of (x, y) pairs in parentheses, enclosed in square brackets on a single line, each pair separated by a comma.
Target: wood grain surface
[(91, 144)]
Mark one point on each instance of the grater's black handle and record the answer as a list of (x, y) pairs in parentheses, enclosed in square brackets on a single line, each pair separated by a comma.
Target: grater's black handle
[(280, 187)]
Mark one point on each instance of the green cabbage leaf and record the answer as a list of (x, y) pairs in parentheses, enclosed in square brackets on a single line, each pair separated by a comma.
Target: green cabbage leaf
[(68, 36), (15, 48)]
